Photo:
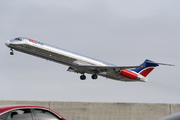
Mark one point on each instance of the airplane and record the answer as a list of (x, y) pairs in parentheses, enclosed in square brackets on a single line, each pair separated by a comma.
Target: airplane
[(82, 64)]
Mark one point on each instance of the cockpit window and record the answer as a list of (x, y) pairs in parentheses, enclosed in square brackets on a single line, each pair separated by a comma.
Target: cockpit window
[(18, 39)]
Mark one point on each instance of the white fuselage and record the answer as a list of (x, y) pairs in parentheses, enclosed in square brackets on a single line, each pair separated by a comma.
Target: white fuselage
[(62, 56)]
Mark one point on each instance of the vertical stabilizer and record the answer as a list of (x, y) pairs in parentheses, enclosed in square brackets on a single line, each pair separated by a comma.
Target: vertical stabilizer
[(148, 66)]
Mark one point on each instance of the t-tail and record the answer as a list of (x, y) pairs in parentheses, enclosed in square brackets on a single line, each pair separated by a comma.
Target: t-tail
[(147, 67)]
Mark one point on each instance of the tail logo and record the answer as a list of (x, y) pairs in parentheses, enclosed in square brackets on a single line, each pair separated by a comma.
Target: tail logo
[(148, 66)]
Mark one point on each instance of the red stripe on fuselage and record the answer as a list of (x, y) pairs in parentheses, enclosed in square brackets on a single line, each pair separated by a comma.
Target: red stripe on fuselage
[(128, 74), (33, 41), (146, 71)]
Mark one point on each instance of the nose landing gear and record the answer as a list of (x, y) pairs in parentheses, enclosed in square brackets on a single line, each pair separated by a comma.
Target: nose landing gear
[(12, 52)]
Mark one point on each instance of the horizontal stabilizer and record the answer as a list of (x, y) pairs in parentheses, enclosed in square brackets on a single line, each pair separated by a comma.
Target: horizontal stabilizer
[(160, 63)]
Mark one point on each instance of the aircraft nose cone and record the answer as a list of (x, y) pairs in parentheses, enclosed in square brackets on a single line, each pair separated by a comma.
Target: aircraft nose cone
[(7, 43)]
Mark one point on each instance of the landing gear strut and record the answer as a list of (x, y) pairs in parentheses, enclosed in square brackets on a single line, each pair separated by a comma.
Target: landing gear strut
[(11, 53), (82, 77), (94, 76)]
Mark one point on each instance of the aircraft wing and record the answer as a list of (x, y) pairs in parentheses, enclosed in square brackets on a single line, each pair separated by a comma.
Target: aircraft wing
[(105, 68)]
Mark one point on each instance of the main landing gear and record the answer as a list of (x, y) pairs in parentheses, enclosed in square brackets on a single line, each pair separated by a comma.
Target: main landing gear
[(83, 77), (12, 52), (94, 76)]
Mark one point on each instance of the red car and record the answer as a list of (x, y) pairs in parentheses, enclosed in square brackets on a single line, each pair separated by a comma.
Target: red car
[(28, 112)]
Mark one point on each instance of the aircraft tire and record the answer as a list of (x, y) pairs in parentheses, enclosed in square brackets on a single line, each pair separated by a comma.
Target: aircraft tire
[(82, 77), (94, 76), (11, 53)]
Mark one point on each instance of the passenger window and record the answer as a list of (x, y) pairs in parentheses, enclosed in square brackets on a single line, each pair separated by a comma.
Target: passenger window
[(21, 114), (4, 116), (45, 115)]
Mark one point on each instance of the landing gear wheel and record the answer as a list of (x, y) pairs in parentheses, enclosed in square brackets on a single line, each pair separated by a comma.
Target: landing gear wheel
[(82, 77), (94, 76), (11, 53)]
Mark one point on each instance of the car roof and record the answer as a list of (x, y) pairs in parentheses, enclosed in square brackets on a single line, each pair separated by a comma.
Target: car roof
[(19, 106), (4, 108), (175, 116)]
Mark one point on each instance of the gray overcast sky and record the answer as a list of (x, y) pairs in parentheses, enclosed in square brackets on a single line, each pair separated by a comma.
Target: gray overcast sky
[(121, 32)]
